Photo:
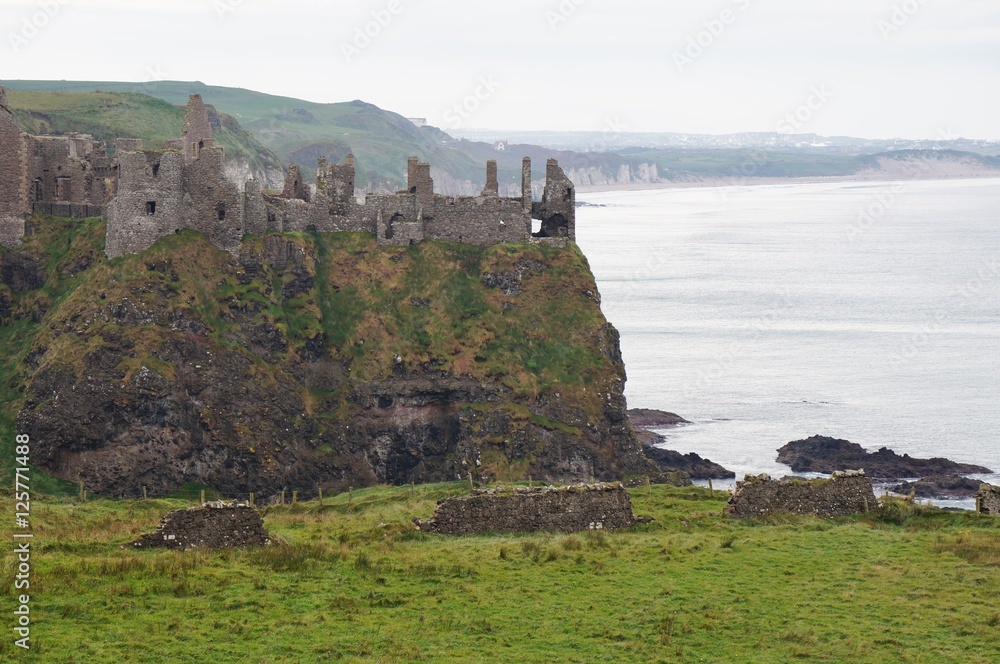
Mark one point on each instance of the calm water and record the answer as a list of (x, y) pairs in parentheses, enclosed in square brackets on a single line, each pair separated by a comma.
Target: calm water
[(767, 314)]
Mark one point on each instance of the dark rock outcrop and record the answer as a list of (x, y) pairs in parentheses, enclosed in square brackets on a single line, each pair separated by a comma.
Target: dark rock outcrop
[(21, 271), (946, 487), (670, 462), (510, 510), (646, 418), (844, 494), (211, 526), (296, 367), (820, 454)]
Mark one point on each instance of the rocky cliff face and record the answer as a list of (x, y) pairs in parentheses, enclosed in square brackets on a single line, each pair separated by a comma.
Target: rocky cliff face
[(313, 361)]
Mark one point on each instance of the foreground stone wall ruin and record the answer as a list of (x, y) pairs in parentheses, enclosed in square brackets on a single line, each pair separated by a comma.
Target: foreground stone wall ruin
[(508, 510), (211, 526), (844, 494), (988, 500)]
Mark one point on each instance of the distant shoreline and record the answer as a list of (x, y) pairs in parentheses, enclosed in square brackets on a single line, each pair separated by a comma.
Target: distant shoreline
[(756, 182)]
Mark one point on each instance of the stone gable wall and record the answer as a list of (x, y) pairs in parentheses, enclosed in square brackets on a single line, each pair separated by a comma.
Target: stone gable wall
[(562, 509), (988, 499), (842, 495)]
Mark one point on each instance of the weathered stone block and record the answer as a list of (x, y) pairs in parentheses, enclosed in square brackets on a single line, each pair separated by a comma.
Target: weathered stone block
[(845, 493), (988, 500), (564, 509)]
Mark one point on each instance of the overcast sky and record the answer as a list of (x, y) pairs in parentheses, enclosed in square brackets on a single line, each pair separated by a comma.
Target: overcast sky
[(925, 69)]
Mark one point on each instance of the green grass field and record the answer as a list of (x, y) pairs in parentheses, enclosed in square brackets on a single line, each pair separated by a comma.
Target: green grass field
[(352, 580)]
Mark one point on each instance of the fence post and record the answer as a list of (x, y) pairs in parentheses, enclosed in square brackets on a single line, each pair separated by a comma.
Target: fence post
[(471, 485), (711, 490), (202, 496), (530, 483), (144, 492), (282, 496), (350, 495), (251, 499), (321, 495), (83, 492), (295, 497)]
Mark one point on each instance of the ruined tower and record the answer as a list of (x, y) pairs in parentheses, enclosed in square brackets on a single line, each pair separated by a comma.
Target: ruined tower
[(492, 183), (558, 207), (13, 177), (295, 186), (526, 184), (419, 182), (197, 134)]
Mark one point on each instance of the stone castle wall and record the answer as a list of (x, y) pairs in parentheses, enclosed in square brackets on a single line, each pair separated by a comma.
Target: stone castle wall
[(212, 526), (13, 172), (988, 500), (564, 509), (148, 194), (844, 494), (62, 175)]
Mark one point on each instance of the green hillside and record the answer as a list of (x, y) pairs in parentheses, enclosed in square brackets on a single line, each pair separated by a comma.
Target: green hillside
[(110, 115)]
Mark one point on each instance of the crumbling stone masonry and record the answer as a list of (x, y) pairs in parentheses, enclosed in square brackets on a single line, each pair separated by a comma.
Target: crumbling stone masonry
[(66, 175), (212, 526), (988, 500), (146, 194), (845, 493), (565, 509), (13, 177)]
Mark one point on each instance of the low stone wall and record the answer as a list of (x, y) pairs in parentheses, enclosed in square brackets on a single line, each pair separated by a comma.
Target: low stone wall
[(988, 499), (845, 493), (565, 509), (212, 526)]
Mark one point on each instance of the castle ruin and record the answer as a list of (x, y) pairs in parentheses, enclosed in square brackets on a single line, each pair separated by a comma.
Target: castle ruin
[(146, 194), (68, 176)]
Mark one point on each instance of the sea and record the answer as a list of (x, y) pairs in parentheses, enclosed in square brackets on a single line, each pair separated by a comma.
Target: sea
[(868, 311)]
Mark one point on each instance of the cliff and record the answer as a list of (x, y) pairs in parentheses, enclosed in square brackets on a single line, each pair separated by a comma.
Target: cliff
[(307, 361)]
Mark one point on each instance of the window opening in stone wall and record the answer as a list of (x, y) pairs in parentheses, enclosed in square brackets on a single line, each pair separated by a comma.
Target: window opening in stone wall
[(150, 208), (39, 191), (62, 188), (220, 210)]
